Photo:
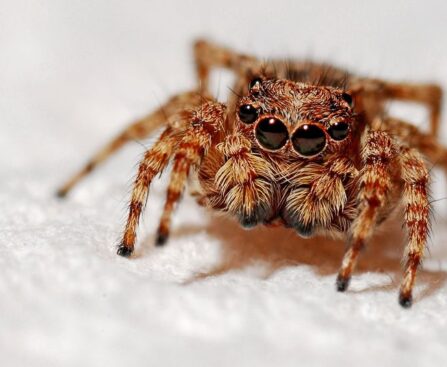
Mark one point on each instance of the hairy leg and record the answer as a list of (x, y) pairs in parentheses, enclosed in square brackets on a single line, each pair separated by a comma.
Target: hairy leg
[(138, 130), (209, 55), (205, 123), (429, 95), (417, 212), (425, 143), (376, 183), (187, 138), (154, 161)]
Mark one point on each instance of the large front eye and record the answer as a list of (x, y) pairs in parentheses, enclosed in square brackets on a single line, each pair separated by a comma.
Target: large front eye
[(271, 133), (339, 130), (248, 114), (309, 140)]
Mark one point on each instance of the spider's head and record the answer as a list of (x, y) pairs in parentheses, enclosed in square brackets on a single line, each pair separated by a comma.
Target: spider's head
[(285, 116)]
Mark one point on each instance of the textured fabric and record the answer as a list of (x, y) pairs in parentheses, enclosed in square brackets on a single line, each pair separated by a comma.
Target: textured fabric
[(72, 74)]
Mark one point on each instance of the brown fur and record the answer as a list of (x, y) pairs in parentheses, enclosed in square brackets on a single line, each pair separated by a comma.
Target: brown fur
[(347, 189)]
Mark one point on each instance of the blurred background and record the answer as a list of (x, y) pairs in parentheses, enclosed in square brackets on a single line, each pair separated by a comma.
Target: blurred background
[(73, 74), (88, 68)]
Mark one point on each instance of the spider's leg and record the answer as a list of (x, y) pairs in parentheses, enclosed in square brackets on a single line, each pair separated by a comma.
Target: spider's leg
[(154, 161), (209, 55), (190, 150), (425, 143), (417, 212), (378, 156), (188, 144), (429, 95), (138, 130)]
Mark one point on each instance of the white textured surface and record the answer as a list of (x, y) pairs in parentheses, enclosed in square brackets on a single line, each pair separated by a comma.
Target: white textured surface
[(72, 74)]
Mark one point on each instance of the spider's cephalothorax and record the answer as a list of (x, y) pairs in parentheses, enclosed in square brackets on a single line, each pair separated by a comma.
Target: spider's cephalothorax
[(293, 132), (301, 144)]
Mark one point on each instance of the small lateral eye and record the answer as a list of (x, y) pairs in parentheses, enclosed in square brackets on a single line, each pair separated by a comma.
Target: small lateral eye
[(248, 114), (271, 133), (339, 130), (309, 140), (347, 98), (255, 83)]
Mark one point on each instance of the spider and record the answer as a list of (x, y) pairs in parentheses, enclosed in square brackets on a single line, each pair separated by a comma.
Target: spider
[(301, 144)]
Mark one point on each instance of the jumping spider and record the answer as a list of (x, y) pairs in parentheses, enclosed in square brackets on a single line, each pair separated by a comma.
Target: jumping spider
[(300, 144)]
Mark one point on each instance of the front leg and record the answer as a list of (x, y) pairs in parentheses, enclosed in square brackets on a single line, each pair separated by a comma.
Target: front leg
[(417, 212), (205, 124), (187, 138), (376, 183)]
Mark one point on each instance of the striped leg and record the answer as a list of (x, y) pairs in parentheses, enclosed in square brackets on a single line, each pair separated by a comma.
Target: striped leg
[(425, 143), (317, 201), (376, 183), (191, 135), (154, 161), (427, 94), (209, 55), (417, 212), (138, 130), (188, 154)]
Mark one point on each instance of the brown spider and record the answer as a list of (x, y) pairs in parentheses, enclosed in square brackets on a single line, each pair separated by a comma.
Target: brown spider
[(301, 144)]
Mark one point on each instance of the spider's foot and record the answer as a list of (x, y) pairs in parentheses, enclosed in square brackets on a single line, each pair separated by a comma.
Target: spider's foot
[(161, 239), (61, 193), (405, 300), (124, 251), (342, 283)]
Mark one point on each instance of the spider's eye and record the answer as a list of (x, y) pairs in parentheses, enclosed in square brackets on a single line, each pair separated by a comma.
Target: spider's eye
[(271, 133), (255, 83), (309, 140), (248, 114), (347, 98), (339, 130)]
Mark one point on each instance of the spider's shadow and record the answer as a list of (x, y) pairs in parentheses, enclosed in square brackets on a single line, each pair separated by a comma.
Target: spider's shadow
[(279, 247)]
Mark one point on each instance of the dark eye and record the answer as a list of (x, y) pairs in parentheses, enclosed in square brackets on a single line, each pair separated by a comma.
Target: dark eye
[(309, 140), (339, 130), (255, 83), (248, 114), (347, 98), (271, 133)]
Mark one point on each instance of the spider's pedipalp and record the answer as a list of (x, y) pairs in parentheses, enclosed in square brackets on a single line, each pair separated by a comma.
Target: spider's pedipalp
[(319, 197), (245, 181)]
